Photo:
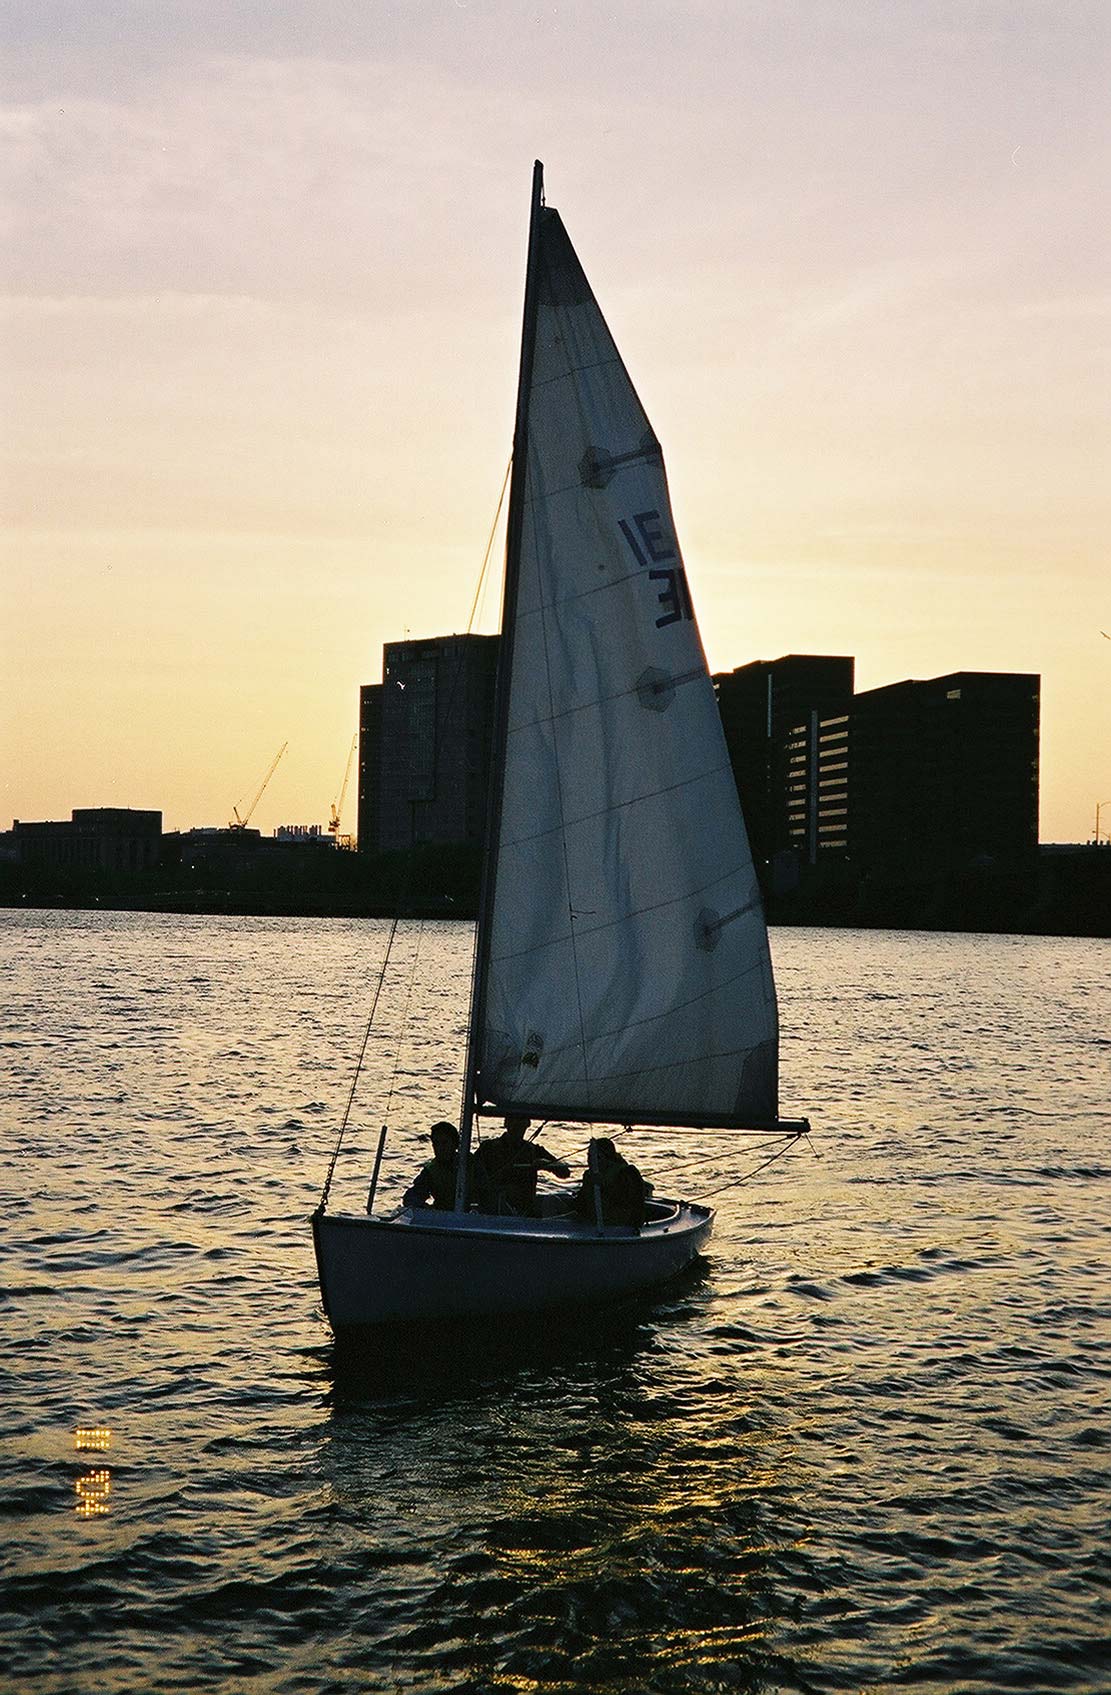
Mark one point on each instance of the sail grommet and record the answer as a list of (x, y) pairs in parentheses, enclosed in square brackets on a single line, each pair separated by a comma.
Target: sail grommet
[(707, 929), (655, 689)]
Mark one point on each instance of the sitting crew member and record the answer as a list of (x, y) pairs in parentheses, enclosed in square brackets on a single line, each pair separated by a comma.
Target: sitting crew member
[(623, 1190), (506, 1169), (435, 1183)]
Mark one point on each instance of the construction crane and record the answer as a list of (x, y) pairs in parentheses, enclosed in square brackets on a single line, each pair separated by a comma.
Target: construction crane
[(238, 823), (337, 805)]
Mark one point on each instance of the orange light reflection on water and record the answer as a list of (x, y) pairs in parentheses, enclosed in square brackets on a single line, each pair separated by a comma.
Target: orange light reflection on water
[(95, 1436), (92, 1488)]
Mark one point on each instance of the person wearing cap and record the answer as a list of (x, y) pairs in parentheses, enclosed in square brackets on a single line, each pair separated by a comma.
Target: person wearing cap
[(506, 1169), (435, 1182)]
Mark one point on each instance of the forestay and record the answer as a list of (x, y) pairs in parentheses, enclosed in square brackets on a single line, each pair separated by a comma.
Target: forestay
[(627, 970)]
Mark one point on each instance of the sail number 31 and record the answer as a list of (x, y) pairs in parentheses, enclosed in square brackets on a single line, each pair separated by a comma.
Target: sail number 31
[(652, 546)]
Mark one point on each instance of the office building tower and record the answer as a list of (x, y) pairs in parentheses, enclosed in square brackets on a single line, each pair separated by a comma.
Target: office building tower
[(425, 735), (370, 762), (944, 773), (762, 705)]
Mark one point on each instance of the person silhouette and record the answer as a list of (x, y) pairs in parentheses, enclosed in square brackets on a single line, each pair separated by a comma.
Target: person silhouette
[(506, 1169)]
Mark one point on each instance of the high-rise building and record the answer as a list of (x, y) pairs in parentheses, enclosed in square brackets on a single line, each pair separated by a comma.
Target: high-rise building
[(425, 735), (944, 773), (761, 706), (370, 763), (915, 777)]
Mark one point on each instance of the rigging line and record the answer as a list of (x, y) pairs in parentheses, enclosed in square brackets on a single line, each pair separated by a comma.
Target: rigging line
[(404, 891), (358, 1068), (678, 1172), (685, 1165), (453, 690), (756, 1169), (489, 546), (404, 1018)]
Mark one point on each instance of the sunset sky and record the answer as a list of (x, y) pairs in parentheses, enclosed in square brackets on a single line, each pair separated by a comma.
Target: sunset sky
[(261, 300)]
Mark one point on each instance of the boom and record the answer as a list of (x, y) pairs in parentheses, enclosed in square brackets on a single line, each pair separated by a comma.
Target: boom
[(337, 806)]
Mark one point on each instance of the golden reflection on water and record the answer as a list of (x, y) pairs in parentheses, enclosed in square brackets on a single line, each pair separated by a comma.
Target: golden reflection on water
[(92, 1488), (95, 1436), (620, 1548), (640, 1508)]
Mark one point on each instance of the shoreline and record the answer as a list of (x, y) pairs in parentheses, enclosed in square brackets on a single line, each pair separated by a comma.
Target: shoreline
[(930, 917), (1060, 891)]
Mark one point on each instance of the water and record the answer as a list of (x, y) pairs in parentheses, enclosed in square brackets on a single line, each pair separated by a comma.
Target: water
[(865, 1448)]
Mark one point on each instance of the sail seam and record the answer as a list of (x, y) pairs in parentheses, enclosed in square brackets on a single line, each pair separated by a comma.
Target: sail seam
[(645, 1070), (578, 371), (581, 594), (601, 701), (668, 1012), (624, 917), (577, 487), (643, 911), (619, 806)]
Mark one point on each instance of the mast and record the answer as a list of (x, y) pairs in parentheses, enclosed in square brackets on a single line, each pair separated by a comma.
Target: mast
[(514, 527)]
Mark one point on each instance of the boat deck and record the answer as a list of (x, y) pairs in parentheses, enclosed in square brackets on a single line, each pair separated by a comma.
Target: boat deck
[(554, 1223)]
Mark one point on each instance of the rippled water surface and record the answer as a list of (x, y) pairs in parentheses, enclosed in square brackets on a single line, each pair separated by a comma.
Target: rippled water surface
[(866, 1447)]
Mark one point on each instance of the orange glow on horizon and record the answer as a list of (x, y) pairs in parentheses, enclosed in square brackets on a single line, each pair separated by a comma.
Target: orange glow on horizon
[(259, 349)]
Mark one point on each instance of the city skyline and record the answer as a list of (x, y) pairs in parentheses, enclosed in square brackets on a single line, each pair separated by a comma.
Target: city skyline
[(436, 676), (261, 311)]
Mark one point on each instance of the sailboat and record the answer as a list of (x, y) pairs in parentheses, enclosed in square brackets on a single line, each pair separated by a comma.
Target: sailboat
[(622, 974)]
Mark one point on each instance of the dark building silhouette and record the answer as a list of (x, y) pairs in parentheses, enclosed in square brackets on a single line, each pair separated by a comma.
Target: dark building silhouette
[(911, 779), (99, 838), (945, 773), (761, 706), (304, 835), (212, 849), (370, 765), (915, 778), (425, 735)]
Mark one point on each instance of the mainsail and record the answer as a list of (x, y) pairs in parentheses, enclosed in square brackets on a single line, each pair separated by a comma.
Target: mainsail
[(624, 974)]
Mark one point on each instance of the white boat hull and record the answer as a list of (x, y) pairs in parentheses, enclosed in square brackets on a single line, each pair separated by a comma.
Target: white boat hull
[(427, 1266)]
